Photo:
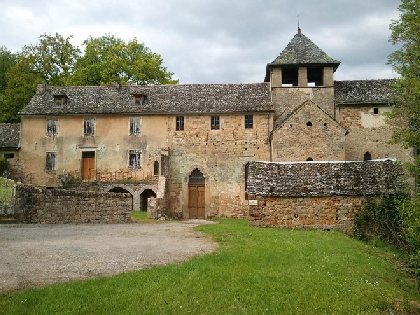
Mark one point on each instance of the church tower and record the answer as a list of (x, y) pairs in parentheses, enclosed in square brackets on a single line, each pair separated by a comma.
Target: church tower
[(300, 73)]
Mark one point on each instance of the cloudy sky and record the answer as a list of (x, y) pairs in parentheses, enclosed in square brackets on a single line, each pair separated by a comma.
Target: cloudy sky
[(216, 41)]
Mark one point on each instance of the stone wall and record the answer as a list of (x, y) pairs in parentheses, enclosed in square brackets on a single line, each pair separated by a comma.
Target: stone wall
[(313, 212), (287, 99), (40, 205), (308, 133), (370, 132), (309, 194), (221, 156)]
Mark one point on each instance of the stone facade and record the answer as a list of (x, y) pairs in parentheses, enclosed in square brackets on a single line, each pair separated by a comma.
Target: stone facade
[(153, 138), (308, 133), (40, 205)]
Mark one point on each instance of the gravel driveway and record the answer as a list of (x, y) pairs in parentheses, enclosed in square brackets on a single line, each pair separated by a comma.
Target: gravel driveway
[(36, 255)]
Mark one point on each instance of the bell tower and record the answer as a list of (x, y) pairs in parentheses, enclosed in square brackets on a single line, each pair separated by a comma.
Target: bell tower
[(302, 72)]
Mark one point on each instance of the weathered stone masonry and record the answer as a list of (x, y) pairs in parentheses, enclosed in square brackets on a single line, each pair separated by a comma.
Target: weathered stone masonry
[(40, 205), (313, 194)]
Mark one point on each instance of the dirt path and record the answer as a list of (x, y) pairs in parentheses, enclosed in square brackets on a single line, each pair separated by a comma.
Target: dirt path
[(36, 255)]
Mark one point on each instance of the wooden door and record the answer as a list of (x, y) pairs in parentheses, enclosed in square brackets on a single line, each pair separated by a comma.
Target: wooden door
[(196, 203), (88, 165)]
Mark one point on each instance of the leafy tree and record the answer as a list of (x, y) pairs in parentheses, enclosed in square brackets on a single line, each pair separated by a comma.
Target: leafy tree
[(406, 110), (406, 62), (109, 59), (7, 60), (51, 61), (21, 86), (53, 58)]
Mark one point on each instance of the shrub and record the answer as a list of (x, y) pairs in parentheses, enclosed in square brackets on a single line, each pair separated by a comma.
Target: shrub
[(69, 181), (381, 219), (3, 166), (394, 219)]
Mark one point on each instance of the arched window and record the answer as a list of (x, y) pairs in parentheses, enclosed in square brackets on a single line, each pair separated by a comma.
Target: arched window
[(367, 156), (309, 159), (309, 124), (156, 168)]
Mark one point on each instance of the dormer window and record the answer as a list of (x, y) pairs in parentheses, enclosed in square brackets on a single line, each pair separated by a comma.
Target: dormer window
[(60, 100), (139, 99)]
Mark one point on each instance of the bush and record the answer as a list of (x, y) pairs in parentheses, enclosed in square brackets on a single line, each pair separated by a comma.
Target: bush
[(3, 166), (381, 220), (69, 181), (394, 219)]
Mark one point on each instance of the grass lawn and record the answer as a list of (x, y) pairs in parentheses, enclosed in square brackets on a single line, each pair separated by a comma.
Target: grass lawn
[(141, 217), (254, 271), (6, 190)]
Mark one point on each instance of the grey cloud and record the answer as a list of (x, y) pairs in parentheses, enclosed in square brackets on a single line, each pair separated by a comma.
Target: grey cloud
[(222, 41)]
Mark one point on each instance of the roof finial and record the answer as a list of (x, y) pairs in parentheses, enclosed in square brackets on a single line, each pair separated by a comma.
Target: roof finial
[(299, 30)]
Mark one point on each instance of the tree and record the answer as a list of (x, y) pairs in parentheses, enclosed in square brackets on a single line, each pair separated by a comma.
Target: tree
[(21, 86), (7, 60), (406, 62), (53, 58), (406, 111), (109, 59)]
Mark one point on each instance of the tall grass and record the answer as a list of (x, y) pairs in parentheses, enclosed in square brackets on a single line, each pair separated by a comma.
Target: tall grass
[(254, 271)]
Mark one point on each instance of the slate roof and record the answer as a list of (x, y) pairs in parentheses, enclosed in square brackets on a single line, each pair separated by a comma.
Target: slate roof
[(160, 99), (363, 91), (323, 178), (300, 51), (9, 136)]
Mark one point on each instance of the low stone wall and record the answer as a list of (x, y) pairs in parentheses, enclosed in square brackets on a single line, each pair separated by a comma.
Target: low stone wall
[(40, 205), (306, 212), (316, 194), (6, 210)]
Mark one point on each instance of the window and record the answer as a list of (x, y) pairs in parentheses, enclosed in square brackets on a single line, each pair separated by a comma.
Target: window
[(249, 121), (215, 122), (134, 125), (52, 127), (376, 110), (156, 168), (309, 159), (9, 155), (179, 122), (51, 161), (134, 159), (139, 99), (89, 127), (60, 100), (367, 156)]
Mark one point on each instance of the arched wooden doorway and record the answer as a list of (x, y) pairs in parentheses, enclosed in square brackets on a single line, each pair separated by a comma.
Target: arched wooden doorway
[(196, 195)]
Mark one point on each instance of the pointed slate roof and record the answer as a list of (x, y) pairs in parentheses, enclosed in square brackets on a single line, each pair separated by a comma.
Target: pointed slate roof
[(301, 50)]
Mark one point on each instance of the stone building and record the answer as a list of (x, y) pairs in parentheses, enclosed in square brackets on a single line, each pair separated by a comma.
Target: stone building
[(188, 144)]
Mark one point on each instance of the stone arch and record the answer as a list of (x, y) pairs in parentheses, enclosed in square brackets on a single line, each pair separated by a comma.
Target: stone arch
[(120, 189), (144, 198)]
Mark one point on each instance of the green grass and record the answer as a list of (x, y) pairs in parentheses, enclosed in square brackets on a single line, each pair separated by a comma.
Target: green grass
[(254, 271), (6, 190), (140, 216)]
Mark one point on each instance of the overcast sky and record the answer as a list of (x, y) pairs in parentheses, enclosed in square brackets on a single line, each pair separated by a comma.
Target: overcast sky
[(216, 41)]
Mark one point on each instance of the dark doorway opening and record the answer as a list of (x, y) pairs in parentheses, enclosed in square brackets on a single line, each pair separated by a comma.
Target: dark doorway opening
[(144, 197)]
